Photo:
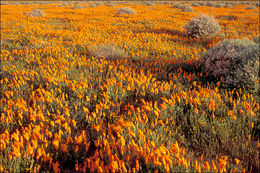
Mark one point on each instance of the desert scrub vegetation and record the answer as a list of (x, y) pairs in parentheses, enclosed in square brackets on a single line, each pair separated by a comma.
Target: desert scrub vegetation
[(126, 10), (36, 13), (177, 6), (108, 51), (90, 91), (148, 3), (236, 60), (250, 7), (203, 26), (186, 8)]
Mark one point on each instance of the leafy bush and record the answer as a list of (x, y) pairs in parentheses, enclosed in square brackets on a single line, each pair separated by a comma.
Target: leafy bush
[(236, 60), (186, 8), (36, 13), (202, 26), (126, 10), (108, 51)]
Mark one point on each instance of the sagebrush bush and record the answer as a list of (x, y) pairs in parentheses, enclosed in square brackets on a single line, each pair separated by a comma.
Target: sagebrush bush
[(126, 10), (195, 4), (212, 4), (77, 7), (250, 7), (257, 39), (186, 8), (148, 3), (229, 5), (202, 26), (220, 4), (177, 6), (108, 51), (36, 13), (236, 60), (92, 5)]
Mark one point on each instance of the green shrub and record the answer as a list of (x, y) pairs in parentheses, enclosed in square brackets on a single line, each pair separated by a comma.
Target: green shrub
[(236, 60), (108, 51), (186, 8), (126, 10), (36, 13), (202, 27)]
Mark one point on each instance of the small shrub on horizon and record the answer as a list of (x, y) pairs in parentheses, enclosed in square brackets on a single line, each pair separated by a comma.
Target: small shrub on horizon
[(195, 4), (36, 13), (250, 7), (177, 6), (77, 7), (202, 27), (148, 3), (92, 5), (186, 8), (211, 4), (126, 10)]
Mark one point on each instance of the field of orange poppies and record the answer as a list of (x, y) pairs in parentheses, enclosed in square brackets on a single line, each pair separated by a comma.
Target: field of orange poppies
[(149, 108)]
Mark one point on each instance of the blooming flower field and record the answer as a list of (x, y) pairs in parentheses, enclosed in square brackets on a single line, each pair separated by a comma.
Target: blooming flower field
[(65, 110)]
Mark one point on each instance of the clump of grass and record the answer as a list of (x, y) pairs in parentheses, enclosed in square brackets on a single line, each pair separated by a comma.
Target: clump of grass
[(250, 7), (36, 13), (202, 27), (126, 10), (236, 60), (186, 8), (108, 51)]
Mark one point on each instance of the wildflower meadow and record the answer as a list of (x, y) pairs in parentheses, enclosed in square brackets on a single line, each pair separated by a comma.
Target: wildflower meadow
[(129, 86)]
